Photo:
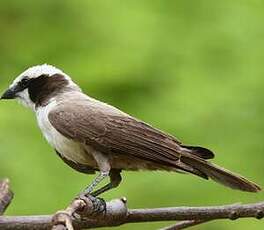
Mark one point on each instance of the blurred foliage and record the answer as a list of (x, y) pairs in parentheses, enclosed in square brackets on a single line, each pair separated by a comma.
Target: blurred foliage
[(191, 68)]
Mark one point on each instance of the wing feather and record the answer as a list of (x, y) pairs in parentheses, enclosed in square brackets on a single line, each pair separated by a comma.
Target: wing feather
[(110, 130)]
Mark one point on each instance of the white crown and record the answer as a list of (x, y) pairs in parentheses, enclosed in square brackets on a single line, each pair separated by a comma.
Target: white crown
[(36, 71)]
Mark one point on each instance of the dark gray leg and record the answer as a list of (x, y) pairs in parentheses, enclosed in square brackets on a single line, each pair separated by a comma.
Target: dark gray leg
[(95, 182), (115, 179), (99, 204)]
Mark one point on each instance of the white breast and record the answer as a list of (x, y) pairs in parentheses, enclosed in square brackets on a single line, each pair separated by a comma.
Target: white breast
[(68, 148)]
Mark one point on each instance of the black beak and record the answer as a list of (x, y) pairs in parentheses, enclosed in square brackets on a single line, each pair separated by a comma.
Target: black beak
[(9, 94)]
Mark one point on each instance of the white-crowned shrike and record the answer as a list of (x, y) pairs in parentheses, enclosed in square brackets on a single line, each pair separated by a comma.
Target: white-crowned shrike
[(91, 136)]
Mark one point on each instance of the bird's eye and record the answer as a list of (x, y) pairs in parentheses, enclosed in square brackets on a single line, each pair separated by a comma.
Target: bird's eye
[(24, 82)]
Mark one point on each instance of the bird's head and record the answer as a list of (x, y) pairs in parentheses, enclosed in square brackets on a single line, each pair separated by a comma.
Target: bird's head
[(39, 84)]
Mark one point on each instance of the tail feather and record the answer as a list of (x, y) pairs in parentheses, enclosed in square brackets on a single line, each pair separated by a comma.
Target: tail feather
[(220, 174), (183, 168), (201, 152)]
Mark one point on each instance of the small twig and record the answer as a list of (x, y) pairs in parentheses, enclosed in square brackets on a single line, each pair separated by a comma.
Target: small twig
[(184, 224), (62, 220), (6, 195)]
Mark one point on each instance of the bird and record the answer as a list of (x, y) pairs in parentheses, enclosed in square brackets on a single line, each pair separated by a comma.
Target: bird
[(94, 137)]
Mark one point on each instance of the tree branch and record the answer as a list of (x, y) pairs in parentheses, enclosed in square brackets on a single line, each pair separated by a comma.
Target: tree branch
[(83, 213), (6, 195), (118, 214)]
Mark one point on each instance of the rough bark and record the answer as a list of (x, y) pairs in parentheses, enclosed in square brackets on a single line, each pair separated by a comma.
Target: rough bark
[(83, 213), (6, 195)]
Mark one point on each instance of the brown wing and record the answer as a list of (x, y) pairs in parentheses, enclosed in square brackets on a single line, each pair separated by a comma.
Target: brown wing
[(109, 130)]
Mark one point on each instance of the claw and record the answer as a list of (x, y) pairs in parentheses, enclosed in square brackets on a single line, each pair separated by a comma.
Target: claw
[(98, 204)]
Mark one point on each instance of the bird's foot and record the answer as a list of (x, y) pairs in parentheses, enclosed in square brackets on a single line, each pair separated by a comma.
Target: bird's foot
[(95, 205)]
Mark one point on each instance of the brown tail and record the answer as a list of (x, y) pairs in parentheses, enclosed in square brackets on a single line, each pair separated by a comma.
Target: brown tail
[(219, 174)]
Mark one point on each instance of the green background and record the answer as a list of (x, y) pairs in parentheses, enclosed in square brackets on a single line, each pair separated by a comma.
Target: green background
[(191, 68)]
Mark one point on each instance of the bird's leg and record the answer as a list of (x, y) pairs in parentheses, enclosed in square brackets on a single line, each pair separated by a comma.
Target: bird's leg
[(95, 182), (104, 167), (115, 179), (99, 204)]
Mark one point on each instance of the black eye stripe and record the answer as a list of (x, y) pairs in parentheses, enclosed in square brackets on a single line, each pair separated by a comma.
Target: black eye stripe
[(24, 83), (25, 80), (44, 87)]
